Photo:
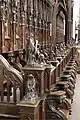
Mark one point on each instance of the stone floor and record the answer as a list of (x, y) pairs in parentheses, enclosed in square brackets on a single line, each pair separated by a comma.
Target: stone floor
[(76, 103)]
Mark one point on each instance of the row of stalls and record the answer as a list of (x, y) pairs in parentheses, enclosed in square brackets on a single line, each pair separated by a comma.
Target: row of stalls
[(38, 61), (41, 92)]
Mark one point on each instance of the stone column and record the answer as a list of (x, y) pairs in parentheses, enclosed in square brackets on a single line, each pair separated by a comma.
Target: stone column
[(66, 29), (54, 22), (69, 20), (0, 33)]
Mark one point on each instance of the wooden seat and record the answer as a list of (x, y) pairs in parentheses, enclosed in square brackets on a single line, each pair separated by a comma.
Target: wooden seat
[(57, 93), (65, 77), (57, 96), (62, 85)]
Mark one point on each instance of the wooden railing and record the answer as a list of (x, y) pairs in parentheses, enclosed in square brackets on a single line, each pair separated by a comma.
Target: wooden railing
[(11, 80), (11, 86)]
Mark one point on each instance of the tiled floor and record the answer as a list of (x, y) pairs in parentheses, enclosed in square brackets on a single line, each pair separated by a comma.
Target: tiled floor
[(76, 103)]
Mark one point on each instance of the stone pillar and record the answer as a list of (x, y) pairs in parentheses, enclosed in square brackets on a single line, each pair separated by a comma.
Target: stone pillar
[(66, 29), (0, 35), (54, 22), (70, 21)]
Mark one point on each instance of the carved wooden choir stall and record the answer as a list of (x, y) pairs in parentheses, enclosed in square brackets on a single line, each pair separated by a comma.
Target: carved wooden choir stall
[(37, 60)]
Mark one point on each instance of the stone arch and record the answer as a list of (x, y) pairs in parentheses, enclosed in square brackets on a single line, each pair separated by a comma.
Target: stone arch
[(60, 4), (58, 7), (61, 7)]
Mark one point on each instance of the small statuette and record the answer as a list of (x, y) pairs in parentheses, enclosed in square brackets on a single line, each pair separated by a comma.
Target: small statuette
[(31, 96), (33, 56)]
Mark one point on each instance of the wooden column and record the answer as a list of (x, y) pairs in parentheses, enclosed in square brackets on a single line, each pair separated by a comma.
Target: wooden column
[(29, 111), (3, 37), (38, 73), (49, 78), (33, 111)]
